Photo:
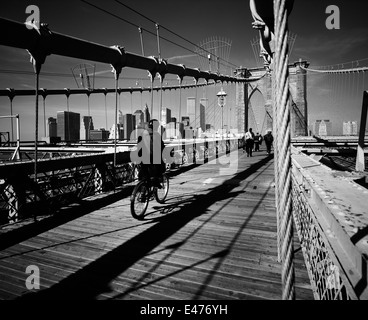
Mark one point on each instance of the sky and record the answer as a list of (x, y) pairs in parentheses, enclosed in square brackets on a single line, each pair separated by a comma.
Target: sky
[(337, 98)]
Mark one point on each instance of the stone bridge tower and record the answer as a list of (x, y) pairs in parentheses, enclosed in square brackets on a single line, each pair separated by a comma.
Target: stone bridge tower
[(298, 91)]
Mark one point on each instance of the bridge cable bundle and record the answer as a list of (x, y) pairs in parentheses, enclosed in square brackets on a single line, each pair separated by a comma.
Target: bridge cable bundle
[(274, 39), (283, 146)]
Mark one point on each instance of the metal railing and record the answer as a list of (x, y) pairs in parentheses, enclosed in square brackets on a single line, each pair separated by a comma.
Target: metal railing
[(65, 180), (330, 214)]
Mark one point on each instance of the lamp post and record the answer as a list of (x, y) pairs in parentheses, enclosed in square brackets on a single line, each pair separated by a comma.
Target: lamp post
[(221, 101)]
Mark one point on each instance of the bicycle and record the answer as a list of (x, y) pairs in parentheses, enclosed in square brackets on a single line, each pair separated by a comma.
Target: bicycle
[(144, 191)]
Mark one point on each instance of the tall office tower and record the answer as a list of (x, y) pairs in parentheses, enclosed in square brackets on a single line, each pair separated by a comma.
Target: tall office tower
[(139, 119), (315, 127), (346, 128), (325, 128), (68, 125), (120, 117), (88, 126), (165, 116), (191, 111), (119, 132), (354, 128), (52, 127), (146, 114), (128, 125), (202, 113), (350, 128)]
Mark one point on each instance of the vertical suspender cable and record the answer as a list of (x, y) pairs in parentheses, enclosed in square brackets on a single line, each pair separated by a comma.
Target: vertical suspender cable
[(158, 41), (36, 124), (160, 110), (152, 77), (195, 107), (180, 82), (11, 119), (67, 107), (89, 119), (44, 114), (117, 73), (141, 37), (131, 101), (105, 93)]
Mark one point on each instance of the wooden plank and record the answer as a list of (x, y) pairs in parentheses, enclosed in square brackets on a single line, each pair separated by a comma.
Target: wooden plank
[(227, 251)]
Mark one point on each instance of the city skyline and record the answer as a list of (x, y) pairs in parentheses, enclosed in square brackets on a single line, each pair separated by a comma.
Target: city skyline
[(327, 96)]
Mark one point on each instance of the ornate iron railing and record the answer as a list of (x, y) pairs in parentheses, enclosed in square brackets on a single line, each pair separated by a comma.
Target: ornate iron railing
[(62, 181), (330, 213)]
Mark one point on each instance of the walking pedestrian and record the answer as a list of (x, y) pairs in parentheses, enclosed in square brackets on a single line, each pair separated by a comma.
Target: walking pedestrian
[(257, 141), (268, 139), (249, 142)]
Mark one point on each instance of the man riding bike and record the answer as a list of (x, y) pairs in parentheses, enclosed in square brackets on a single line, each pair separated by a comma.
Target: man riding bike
[(150, 149)]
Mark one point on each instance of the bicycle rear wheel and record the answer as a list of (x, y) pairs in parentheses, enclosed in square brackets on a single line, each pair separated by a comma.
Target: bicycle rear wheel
[(161, 193), (139, 200)]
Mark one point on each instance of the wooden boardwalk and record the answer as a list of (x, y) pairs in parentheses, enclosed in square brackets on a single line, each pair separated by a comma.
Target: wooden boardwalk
[(215, 238)]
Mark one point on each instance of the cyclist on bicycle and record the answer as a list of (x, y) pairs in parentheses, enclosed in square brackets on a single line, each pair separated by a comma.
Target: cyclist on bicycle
[(152, 146)]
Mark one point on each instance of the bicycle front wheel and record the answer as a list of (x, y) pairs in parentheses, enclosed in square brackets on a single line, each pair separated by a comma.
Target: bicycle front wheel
[(161, 193), (139, 200)]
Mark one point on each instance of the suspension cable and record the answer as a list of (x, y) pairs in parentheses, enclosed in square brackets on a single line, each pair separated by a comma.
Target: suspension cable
[(361, 69), (283, 155), (167, 29), (137, 26)]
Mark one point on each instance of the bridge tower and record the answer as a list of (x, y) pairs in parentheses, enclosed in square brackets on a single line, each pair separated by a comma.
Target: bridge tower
[(298, 91)]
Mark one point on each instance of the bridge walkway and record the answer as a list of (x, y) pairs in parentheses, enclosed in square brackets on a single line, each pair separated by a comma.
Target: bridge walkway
[(215, 238)]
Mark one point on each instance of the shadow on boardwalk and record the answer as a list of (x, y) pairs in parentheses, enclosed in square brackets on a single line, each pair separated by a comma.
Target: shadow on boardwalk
[(93, 279)]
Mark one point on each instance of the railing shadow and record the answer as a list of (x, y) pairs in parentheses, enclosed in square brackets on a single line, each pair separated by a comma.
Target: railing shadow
[(94, 278), (61, 217), (72, 212)]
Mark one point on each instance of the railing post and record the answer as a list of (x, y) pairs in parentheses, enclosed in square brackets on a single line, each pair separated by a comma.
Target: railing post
[(360, 161), (99, 179), (14, 194)]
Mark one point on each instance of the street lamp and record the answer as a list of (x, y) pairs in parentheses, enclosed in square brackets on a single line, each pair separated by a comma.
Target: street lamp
[(221, 101)]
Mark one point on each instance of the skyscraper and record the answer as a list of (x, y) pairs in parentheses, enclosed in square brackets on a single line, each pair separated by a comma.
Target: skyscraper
[(191, 111), (139, 119), (116, 130), (350, 128), (88, 126), (165, 116), (68, 125), (128, 125), (202, 113), (52, 127), (146, 114), (322, 128)]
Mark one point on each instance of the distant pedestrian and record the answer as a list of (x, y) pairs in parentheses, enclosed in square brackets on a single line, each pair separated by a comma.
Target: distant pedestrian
[(249, 142), (257, 141), (268, 139)]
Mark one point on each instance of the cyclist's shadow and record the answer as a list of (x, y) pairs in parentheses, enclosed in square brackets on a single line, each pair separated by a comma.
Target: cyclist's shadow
[(180, 205)]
